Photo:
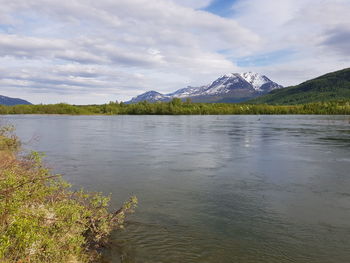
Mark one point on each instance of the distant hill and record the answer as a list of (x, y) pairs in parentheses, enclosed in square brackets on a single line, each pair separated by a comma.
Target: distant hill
[(332, 86), (233, 87), (12, 101)]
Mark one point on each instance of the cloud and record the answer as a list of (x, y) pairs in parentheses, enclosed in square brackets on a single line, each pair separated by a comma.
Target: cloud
[(316, 32), (95, 51), (195, 4), (338, 40)]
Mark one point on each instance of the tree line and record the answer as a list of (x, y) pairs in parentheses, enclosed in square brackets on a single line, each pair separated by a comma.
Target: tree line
[(178, 107)]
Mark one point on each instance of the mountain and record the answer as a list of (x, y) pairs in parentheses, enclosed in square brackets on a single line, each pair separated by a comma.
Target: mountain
[(12, 101), (232, 87), (150, 96), (332, 86)]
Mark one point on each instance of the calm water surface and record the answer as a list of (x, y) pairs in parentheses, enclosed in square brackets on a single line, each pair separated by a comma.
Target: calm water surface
[(239, 189)]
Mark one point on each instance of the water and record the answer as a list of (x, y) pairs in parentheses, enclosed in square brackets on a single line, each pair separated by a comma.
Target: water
[(244, 189)]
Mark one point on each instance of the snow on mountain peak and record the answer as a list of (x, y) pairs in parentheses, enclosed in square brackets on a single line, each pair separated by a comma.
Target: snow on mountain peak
[(229, 75), (255, 79)]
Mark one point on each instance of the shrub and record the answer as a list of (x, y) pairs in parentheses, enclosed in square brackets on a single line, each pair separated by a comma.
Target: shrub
[(8, 141), (41, 219)]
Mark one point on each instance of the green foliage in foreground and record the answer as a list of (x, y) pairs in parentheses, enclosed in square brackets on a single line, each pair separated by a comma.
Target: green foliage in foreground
[(332, 86), (177, 107), (41, 219)]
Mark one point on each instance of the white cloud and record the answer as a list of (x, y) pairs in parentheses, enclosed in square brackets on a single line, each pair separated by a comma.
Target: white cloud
[(162, 39), (196, 4), (95, 51), (316, 31)]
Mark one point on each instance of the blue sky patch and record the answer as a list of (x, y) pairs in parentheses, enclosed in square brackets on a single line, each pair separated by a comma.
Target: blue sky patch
[(7, 29), (266, 58), (221, 7)]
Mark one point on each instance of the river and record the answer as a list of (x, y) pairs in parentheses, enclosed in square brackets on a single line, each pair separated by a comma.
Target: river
[(245, 189)]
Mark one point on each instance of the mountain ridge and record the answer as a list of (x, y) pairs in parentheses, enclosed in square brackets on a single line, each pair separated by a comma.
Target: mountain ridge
[(232, 87), (8, 101)]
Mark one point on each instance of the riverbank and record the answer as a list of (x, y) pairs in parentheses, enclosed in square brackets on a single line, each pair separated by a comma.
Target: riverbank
[(177, 107), (41, 218)]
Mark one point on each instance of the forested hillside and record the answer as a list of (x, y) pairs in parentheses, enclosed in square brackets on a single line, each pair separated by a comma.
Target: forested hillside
[(332, 86)]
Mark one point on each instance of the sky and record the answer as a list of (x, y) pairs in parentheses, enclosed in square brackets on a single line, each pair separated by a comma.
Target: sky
[(92, 52)]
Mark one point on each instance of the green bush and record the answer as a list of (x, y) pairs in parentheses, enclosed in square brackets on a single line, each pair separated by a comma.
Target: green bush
[(8, 141), (42, 220)]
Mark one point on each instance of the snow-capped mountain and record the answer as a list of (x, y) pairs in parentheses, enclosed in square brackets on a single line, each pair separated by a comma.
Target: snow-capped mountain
[(233, 87), (150, 96)]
